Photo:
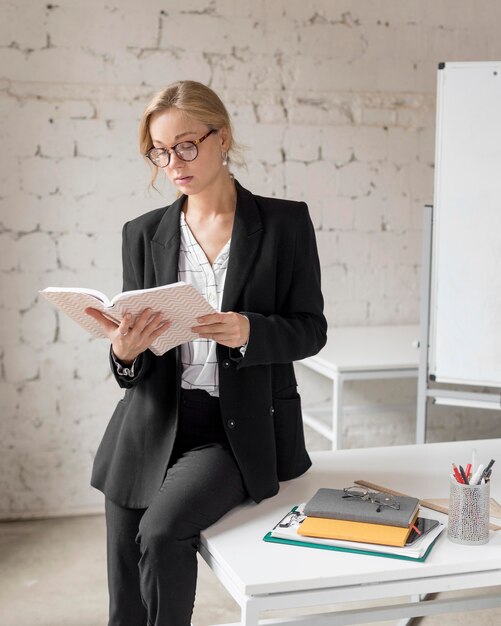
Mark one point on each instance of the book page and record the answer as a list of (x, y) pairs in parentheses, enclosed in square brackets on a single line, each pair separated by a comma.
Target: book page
[(74, 302), (125, 295), (91, 292)]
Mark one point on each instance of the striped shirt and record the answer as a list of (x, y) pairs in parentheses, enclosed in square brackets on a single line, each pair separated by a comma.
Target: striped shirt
[(198, 357)]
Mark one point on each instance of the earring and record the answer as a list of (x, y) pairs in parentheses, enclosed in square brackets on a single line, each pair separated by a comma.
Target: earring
[(224, 156)]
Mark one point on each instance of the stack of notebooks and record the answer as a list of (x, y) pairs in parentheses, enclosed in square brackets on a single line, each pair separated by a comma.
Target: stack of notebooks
[(332, 521)]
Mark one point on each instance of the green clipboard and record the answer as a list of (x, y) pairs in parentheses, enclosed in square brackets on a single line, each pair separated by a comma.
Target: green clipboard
[(306, 544)]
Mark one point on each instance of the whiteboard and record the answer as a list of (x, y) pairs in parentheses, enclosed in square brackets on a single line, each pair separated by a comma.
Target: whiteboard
[(465, 289)]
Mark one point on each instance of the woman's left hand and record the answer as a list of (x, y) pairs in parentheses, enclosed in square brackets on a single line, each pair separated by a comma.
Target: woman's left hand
[(229, 329)]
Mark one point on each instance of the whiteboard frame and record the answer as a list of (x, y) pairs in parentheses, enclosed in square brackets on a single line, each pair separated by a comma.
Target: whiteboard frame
[(432, 365), (437, 394)]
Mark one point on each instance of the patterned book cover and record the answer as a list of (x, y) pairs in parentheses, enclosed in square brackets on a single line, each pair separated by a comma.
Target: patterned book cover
[(179, 303)]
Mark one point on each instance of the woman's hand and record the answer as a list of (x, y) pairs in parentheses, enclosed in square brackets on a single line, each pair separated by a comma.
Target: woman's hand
[(131, 337), (229, 329)]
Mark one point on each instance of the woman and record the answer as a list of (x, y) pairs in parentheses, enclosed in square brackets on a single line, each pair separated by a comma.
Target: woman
[(217, 420)]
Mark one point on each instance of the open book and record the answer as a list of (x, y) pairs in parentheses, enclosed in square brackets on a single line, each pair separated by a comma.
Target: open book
[(179, 303)]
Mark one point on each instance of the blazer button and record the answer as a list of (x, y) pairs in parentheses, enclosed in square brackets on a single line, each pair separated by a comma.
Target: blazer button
[(231, 423), (226, 363), (272, 410)]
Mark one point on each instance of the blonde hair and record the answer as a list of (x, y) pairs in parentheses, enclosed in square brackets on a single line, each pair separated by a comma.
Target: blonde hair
[(196, 100)]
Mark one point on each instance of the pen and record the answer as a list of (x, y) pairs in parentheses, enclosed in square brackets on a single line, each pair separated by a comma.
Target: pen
[(468, 470), (414, 527), (489, 466), (463, 475), (457, 474), (488, 470), (477, 476)]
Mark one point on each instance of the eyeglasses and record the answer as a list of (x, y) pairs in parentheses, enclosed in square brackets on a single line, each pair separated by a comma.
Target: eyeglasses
[(376, 497), (185, 150)]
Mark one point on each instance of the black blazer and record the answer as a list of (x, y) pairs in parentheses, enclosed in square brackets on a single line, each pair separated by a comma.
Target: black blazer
[(273, 277)]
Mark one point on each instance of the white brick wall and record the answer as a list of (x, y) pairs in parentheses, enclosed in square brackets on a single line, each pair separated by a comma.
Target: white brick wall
[(336, 102)]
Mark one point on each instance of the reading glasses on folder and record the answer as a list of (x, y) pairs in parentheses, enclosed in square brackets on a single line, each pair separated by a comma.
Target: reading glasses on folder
[(376, 497)]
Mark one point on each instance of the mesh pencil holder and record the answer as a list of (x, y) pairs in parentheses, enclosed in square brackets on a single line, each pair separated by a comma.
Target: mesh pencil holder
[(468, 513)]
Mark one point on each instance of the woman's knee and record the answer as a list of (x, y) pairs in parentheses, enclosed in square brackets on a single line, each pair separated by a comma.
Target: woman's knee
[(161, 534)]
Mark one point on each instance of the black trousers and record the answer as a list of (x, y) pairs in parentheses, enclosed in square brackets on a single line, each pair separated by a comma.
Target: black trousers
[(152, 553)]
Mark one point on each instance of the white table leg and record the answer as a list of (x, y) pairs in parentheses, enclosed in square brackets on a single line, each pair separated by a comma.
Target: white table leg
[(250, 614), (407, 621), (422, 408), (337, 411)]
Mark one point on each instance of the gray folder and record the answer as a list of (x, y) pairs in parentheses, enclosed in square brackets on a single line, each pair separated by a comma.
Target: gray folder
[(330, 503)]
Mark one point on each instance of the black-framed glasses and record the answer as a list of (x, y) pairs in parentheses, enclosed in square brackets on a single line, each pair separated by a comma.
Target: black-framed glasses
[(185, 150), (376, 497)]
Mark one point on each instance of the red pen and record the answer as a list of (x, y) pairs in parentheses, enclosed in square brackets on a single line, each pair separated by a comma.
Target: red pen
[(468, 471), (457, 474), (414, 527)]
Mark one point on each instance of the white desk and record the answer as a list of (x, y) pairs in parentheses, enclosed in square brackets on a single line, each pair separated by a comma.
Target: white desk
[(361, 353), (265, 576)]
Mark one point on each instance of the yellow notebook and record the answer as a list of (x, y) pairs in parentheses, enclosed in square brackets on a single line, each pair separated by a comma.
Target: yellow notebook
[(354, 531)]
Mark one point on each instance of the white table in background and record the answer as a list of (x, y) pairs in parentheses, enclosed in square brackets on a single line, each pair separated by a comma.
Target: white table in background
[(265, 576), (361, 353)]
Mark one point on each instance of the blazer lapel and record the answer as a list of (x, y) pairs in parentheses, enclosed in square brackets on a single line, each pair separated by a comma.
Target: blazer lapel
[(165, 245), (245, 242)]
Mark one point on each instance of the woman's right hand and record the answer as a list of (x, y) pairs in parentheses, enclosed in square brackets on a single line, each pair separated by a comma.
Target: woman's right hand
[(131, 337)]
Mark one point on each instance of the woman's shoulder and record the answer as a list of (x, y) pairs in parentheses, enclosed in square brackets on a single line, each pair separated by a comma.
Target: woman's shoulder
[(278, 204), (287, 215), (274, 206), (147, 223)]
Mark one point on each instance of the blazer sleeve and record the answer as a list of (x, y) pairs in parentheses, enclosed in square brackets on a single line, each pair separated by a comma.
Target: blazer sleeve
[(300, 329), (130, 281)]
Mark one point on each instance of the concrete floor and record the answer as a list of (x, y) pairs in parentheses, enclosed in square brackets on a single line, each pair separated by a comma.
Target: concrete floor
[(53, 573)]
